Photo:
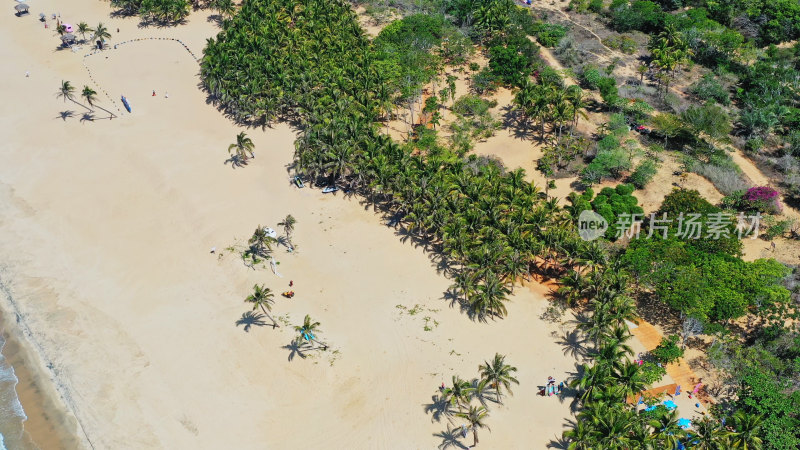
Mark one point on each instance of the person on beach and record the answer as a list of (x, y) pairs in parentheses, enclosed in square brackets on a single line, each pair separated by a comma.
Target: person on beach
[(154, 93), (291, 283), (166, 95), (213, 249)]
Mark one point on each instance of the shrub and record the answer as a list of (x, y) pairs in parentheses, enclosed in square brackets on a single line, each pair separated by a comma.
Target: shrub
[(709, 88), (507, 64), (652, 373), (726, 180), (644, 172), (473, 66), (548, 34), (607, 192), (624, 189), (590, 77), (763, 199), (484, 81), (472, 105), (754, 145), (623, 43), (668, 350), (595, 6)]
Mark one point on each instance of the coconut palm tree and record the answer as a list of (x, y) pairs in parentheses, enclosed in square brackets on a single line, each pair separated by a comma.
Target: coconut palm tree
[(89, 94), (84, 28), (666, 429), (242, 147), (498, 373), (225, 8), (475, 416), (263, 298), (288, 227), (748, 428), (260, 242), (308, 332), (581, 436), (709, 435), (101, 32), (460, 393), (67, 91)]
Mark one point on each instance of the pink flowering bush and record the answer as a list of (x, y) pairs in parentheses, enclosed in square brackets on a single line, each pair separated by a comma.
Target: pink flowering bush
[(763, 199)]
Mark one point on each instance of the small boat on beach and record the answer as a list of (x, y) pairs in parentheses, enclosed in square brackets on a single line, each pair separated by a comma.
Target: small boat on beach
[(298, 182), (330, 189)]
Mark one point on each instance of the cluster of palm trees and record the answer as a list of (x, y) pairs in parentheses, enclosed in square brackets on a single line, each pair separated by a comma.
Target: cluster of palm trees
[(669, 50), (171, 11), (495, 375), (310, 62), (606, 385), (99, 32), (67, 92), (551, 103), (263, 298)]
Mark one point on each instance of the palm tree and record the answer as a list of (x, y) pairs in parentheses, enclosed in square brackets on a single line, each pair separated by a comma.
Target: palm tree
[(581, 436), (101, 32), (666, 429), (84, 28), (475, 417), (288, 227), (499, 374), (89, 94), (243, 146), (308, 332), (748, 428), (260, 242), (66, 91), (709, 435), (225, 8), (262, 298), (460, 393)]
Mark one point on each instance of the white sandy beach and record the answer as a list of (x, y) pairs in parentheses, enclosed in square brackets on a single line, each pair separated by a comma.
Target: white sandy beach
[(105, 231)]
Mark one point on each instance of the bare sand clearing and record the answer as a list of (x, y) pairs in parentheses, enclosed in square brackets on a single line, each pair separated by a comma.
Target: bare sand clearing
[(105, 231)]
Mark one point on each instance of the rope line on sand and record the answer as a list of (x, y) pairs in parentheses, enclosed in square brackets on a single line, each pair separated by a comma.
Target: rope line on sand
[(91, 77)]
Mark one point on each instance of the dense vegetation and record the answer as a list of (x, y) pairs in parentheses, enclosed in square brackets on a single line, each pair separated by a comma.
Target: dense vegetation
[(311, 61)]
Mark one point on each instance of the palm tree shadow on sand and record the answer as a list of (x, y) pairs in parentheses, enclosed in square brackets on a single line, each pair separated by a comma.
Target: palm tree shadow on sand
[(298, 349), (64, 115), (574, 344), (236, 161), (439, 408), (450, 438), (251, 318)]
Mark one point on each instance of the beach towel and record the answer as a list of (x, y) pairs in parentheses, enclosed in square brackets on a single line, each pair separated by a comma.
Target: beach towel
[(696, 388), (678, 390)]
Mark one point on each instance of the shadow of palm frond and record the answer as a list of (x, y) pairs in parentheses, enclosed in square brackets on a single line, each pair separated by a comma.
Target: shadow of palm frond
[(87, 117), (574, 344), (439, 408), (450, 438), (251, 318), (297, 349), (236, 161), (64, 115)]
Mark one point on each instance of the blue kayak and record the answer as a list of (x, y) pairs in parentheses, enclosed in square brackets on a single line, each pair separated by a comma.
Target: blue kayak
[(125, 102)]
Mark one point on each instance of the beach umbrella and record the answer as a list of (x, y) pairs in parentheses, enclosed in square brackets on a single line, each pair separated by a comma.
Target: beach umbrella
[(22, 7), (69, 37)]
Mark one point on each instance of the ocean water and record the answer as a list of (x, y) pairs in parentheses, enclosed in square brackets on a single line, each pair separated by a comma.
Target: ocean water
[(12, 416)]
